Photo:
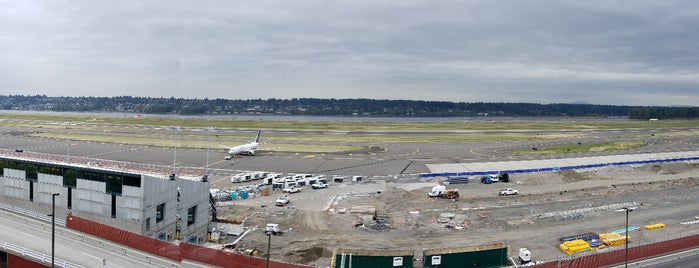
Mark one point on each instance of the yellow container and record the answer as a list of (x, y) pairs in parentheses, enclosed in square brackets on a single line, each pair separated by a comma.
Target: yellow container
[(654, 226), (575, 246), (612, 239)]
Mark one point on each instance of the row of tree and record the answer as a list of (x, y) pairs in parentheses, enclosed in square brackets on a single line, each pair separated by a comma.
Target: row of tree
[(333, 107)]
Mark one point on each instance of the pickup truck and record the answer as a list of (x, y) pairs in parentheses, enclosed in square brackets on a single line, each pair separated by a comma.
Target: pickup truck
[(282, 201), (319, 185), (291, 190), (508, 191)]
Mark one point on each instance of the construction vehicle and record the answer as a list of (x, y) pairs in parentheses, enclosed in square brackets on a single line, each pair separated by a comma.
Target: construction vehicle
[(525, 256), (500, 177), (380, 218), (442, 192), (272, 229)]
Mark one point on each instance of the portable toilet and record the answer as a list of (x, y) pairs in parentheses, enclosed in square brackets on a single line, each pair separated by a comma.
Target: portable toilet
[(243, 194), (234, 195)]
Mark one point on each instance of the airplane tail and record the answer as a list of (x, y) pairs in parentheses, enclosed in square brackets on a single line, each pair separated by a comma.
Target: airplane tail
[(257, 138)]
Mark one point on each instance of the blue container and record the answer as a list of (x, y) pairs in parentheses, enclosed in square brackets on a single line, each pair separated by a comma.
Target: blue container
[(243, 194), (234, 195)]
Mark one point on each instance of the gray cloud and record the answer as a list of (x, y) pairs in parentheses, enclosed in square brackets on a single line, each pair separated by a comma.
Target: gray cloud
[(604, 52)]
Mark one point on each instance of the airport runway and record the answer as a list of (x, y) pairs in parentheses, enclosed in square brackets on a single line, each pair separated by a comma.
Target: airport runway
[(400, 159)]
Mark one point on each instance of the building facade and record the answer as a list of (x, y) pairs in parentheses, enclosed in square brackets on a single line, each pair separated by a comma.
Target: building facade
[(161, 206)]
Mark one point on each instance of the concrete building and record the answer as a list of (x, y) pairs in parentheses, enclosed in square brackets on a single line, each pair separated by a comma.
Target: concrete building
[(153, 204)]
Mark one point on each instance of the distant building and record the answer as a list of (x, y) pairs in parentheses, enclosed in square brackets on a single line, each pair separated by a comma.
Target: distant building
[(161, 206)]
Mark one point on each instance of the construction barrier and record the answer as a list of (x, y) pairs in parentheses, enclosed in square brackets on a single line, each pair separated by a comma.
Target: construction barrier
[(654, 226), (575, 246), (613, 239), (549, 169), (584, 236), (618, 256)]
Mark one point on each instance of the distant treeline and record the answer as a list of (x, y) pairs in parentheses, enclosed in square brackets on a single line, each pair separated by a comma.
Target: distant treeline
[(334, 107)]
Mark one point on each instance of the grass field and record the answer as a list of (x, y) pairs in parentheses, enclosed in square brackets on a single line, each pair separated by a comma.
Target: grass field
[(582, 148), (159, 131)]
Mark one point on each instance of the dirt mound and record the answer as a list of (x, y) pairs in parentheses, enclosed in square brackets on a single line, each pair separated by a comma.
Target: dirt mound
[(569, 176), (309, 255), (669, 168), (397, 199)]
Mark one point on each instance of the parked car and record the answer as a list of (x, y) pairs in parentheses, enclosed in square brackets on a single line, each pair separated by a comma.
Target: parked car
[(508, 191), (319, 185), (291, 190), (282, 201)]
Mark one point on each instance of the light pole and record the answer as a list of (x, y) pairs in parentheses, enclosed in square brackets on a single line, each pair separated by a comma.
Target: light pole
[(208, 148), (269, 245), (174, 157), (53, 227), (626, 240), (68, 130)]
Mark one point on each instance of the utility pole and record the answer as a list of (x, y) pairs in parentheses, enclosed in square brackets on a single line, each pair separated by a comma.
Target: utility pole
[(269, 246), (626, 240), (53, 228)]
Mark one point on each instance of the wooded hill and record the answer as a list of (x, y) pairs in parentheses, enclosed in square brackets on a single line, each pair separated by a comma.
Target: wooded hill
[(334, 107)]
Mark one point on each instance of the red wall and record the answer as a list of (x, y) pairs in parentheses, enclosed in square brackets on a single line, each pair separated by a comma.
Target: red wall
[(172, 251), (17, 262), (635, 253)]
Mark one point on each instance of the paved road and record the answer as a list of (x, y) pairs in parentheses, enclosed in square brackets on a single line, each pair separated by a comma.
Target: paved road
[(73, 247)]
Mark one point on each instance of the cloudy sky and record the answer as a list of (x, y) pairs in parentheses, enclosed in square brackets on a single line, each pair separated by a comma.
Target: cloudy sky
[(601, 52)]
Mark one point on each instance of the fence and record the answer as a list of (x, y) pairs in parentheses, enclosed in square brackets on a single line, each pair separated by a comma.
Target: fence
[(178, 253)]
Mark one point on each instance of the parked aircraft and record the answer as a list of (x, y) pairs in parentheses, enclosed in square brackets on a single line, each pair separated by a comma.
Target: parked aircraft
[(244, 149)]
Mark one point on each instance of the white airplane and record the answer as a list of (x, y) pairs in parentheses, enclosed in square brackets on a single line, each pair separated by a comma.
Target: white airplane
[(244, 149)]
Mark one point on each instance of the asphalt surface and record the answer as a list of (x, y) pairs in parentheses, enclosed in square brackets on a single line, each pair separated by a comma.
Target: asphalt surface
[(385, 159)]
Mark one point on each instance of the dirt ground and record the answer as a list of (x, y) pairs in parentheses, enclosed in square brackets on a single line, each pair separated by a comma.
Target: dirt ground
[(549, 206)]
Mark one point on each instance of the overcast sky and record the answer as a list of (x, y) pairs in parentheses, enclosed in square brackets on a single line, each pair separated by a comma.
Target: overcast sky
[(600, 52)]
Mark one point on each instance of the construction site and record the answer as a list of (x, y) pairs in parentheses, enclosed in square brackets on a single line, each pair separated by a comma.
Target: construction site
[(550, 208)]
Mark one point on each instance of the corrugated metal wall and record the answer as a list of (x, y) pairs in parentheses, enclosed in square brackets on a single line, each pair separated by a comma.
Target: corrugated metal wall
[(348, 258), (495, 257), (18, 262)]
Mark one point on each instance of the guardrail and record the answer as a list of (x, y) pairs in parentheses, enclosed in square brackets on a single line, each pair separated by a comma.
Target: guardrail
[(60, 221), (114, 248), (35, 255)]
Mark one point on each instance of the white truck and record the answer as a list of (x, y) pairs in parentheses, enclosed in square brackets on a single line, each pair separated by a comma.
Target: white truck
[(508, 191), (282, 201), (319, 185), (437, 190), (291, 190)]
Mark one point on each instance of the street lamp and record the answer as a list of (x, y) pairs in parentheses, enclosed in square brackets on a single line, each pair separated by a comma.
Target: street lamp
[(174, 157), (626, 242), (208, 148), (269, 245), (68, 130), (53, 227)]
